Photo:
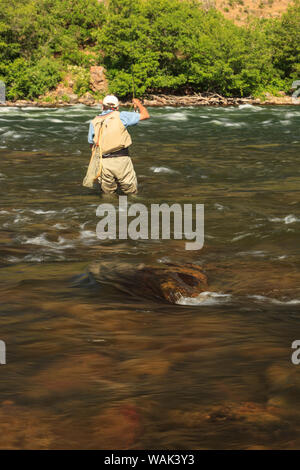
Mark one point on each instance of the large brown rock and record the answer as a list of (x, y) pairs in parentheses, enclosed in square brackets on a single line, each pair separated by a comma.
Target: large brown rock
[(98, 80), (167, 281), (87, 99)]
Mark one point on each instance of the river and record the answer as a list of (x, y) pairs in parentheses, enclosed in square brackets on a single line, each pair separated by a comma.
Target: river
[(91, 366)]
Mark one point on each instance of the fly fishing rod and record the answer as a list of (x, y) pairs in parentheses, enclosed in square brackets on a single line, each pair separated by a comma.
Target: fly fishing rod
[(133, 88)]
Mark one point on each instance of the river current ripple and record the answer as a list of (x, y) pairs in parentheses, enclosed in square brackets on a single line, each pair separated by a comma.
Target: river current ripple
[(92, 366)]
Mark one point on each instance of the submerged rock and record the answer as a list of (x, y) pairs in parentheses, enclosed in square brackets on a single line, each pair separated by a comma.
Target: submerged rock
[(25, 428), (117, 427), (168, 282)]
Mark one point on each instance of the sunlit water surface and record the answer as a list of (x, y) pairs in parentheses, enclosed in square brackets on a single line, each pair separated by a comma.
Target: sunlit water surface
[(90, 366)]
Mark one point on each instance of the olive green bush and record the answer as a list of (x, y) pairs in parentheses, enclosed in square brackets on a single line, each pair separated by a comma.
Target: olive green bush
[(149, 46)]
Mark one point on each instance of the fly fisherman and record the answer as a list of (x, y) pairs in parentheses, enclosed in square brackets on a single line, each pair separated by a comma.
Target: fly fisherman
[(110, 163)]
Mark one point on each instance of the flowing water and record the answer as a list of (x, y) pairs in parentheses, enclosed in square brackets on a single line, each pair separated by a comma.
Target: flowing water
[(91, 366)]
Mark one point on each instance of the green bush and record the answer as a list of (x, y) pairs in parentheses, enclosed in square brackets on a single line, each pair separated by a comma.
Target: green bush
[(175, 45), (282, 36), (147, 46), (81, 77), (26, 80)]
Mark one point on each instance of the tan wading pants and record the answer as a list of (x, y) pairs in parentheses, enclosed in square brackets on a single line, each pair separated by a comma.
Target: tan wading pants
[(118, 170)]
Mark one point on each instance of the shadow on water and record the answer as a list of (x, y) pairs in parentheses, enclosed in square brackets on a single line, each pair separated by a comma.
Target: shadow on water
[(97, 364)]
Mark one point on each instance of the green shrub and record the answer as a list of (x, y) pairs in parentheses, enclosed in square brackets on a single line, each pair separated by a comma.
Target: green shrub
[(26, 80), (81, 78), (146, 46)]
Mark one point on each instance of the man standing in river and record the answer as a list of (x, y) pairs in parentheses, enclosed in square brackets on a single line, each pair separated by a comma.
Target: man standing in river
[(109, 130)]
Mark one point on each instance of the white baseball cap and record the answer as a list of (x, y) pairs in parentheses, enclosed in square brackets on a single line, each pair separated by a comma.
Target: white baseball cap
[(111, 100)]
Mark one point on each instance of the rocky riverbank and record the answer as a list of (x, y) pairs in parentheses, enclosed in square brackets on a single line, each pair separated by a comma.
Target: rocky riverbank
[(205, 99)]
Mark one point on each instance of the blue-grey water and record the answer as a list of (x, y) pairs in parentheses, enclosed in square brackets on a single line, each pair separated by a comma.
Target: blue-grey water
[(91, 366)]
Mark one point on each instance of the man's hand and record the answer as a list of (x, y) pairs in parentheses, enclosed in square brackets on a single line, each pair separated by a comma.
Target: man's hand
[(142, 110), (136, 102)]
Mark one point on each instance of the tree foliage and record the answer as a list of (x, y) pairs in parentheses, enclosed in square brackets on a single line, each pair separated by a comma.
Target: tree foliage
[(159, 45)]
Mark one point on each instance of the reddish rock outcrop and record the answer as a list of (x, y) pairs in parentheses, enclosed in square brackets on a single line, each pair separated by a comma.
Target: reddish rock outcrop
[(98, 79)]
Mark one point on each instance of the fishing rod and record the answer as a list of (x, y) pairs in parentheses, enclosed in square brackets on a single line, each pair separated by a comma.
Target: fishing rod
[(133, 88)]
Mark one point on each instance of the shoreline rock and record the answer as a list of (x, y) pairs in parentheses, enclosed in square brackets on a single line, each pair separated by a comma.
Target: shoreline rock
[(206, 99)]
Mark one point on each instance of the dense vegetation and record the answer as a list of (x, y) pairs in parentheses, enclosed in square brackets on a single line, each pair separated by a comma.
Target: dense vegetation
[(167, 45)]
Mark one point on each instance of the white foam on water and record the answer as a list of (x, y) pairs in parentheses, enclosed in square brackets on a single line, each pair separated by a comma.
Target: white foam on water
[(289, 219), (205, 298), (19, 219), (60, 226), (75, 110), (8, 134), (234, 124), (82, 226), (68, 210), (88, 236), (176, 117), (22, 128), (54, 120), (215, 121), (252, 253), (41, 240), (162, 169), (13, 259), (249, 106), (285, 122), (13, 134), (262, 298), (7, 109), (41, 212), (219, 207), (31, 108), (34, 258), (289, 115), (240, 237), (164, 260), (3, 212), (71, 128), (227, 123)]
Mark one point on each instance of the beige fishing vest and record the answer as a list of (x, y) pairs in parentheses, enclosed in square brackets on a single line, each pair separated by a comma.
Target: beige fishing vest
[(110, 133)]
